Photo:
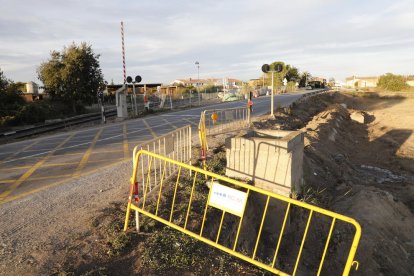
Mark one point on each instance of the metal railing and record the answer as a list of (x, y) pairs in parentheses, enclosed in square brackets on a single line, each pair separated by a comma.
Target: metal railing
[(228, 215), (176, 145), (59, 124), (218, 121)]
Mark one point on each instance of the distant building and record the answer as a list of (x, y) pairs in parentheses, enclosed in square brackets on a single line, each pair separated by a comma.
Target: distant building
[(255, 82), (410, 82), (32, 87), (29, 91), (139, 88), (225, 82), (361, 82), (190, 82)]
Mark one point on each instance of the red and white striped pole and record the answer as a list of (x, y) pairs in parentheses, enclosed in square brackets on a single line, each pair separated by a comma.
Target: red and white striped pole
[(123, 51)]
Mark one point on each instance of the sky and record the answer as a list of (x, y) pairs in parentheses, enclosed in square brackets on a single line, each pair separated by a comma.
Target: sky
[(164, 38)]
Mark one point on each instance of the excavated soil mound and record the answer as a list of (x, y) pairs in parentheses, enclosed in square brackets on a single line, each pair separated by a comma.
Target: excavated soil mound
[(362, 170)]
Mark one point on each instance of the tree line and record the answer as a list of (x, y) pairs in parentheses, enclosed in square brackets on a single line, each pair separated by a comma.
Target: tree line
[(71, 78)]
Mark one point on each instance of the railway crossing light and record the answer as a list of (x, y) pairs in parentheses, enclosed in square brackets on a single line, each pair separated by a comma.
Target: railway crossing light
[(277, 69), (138, 79)]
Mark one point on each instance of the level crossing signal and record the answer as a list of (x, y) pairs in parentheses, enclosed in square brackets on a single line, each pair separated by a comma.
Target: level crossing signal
[(278, 68), (138, 79)]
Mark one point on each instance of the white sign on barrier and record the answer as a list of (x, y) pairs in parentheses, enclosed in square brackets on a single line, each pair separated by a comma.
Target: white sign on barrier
[(227, 199)]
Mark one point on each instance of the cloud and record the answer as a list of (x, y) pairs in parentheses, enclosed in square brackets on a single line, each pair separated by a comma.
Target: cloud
[(163, 39)]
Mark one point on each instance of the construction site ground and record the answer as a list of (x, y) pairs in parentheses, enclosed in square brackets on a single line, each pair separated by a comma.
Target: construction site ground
[(362, 170)]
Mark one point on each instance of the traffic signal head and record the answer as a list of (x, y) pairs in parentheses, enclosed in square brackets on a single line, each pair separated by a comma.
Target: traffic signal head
[(278, 68), (265, 68)]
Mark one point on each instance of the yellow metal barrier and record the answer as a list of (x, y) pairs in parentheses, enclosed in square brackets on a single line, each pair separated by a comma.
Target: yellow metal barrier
[(238, 203), (176, 145), (219, 121)]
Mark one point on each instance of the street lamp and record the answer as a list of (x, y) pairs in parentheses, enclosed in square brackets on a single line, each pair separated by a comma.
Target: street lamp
[(198, 80), (277, 69)]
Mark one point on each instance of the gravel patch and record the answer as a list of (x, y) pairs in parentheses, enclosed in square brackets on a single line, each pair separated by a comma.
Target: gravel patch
[(36, 226)]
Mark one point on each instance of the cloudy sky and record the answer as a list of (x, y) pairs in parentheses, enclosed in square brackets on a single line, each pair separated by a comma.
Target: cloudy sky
[(164, 38)]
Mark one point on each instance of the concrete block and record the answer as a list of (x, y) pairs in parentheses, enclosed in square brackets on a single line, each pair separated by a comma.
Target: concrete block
[(272, 159)]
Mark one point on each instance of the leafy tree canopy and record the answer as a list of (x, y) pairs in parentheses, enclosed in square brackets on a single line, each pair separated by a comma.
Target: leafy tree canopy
[(292, 73), (305, 77), (72, 75), (4, 82), (10, 100)]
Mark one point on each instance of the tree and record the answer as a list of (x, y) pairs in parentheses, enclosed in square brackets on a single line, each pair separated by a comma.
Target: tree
[(292, 73), (392, 82), (246, 88), (4, 82), (331, 82), (10, 100), (305, 78), (73, 76)]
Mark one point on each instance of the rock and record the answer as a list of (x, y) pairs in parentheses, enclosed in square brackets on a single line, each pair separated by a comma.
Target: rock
[(358, 117), (343, 105), (332, 136)]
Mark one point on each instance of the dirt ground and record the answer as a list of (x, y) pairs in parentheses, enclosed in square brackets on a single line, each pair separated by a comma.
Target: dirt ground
[(362, 170), (365, 171)]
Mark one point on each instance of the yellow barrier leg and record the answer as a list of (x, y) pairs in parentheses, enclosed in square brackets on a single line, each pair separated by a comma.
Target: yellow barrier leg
[(128, 212)]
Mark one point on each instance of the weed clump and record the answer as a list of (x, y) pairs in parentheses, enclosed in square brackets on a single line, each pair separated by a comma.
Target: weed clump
[(168, 251)]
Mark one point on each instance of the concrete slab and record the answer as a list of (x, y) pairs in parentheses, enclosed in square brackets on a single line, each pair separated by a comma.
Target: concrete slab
[(272, 159)]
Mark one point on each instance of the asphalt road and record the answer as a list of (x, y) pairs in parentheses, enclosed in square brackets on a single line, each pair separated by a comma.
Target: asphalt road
[(36, 164)]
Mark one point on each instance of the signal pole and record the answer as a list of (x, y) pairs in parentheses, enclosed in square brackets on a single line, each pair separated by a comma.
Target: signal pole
[(277, 69)]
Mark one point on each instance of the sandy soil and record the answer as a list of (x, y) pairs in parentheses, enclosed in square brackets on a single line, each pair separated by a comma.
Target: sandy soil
[(362, 170), (365, 171), (368, 170)]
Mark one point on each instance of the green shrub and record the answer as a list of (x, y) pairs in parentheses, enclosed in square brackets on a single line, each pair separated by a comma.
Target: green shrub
[(33, 112), (7, 121), (10, 102), (392, 82), (291, 86)]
